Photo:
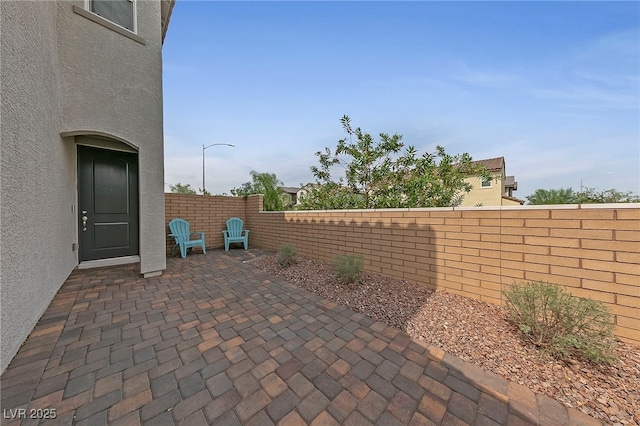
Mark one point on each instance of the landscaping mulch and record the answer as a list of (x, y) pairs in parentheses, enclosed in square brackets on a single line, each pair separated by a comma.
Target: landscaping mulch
[(480, 333)]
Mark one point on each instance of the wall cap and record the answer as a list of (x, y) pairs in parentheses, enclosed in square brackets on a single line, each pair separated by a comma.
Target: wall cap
[(610, 206)]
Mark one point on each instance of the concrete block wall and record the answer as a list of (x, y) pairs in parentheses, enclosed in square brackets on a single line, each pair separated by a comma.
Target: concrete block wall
[(592, 250), (206, 214)]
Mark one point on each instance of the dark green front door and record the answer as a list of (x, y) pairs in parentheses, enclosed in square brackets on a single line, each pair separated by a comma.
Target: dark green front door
[(107, 203)]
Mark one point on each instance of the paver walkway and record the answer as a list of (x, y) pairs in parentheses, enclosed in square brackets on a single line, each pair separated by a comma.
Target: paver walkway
[(216, 341)]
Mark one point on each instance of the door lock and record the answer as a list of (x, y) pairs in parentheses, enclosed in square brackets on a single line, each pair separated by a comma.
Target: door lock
[(84, 220)]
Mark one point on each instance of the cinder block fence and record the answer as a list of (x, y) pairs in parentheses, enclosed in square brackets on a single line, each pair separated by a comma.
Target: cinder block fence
[(592, 250)]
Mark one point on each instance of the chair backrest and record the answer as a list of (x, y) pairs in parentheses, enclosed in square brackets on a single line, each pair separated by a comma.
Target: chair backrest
[(234, 226), (179, 227)]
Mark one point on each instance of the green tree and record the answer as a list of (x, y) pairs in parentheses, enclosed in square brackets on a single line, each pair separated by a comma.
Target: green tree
[(331, 196), (552, 196), (386, 174), (179, 188), (266, 184), (586, 196), (591, 196)]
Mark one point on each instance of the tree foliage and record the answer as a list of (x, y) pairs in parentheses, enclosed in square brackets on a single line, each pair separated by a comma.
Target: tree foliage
[(586, 196), (591, 196), (552, 196), (179, 188), (266, 184), (387, 174)]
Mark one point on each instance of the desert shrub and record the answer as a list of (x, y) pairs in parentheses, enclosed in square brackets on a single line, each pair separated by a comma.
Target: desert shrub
[(563, 325), (348, 268), (287, 255)]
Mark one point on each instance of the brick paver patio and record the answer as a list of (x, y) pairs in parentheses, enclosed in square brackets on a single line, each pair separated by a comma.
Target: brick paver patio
[(216, 341)]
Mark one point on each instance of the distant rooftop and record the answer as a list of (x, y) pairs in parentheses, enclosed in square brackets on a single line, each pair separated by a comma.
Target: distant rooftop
[(506, 197), (290, 189), (491, 163)]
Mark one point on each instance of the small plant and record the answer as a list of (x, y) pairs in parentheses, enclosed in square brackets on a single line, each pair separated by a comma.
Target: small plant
[(287, 255), (561, 324), (348, 268)]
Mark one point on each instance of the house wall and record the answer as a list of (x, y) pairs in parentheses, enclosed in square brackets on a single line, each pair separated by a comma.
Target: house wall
[(507, 202), (485, 196), (112, 85), (592, 250), (37, 180), (64, 75)]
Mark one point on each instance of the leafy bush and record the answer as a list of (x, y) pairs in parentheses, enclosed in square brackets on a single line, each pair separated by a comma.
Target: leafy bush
[(348, 268), (287, 255), (561, 324)]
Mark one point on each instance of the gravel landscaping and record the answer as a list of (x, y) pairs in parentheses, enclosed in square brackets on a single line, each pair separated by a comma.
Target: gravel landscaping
[(480, 333)]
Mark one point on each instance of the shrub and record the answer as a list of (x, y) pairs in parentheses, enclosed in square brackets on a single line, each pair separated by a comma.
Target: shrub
[(561, 324), (287, 255), (348, 268)]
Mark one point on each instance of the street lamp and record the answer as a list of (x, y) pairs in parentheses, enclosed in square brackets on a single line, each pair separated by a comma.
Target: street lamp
[(599, 174), (203, 148)]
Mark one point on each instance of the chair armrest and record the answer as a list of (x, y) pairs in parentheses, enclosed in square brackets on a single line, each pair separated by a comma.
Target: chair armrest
[(226, 233), (246, 232), (198, 233)]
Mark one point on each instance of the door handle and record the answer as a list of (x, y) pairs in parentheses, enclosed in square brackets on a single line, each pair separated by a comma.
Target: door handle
[(84, 220)]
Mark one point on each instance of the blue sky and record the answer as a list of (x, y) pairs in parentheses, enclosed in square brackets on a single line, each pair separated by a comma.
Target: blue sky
[(554, 87)]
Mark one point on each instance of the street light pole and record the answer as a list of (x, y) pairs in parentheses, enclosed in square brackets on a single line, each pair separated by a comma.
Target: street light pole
[(599, 174), (203, 149)]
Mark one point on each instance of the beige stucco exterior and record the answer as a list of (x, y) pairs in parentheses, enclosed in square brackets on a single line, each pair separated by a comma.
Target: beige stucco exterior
[(65, 76), (488, 196), (484, 196), (496, 193)]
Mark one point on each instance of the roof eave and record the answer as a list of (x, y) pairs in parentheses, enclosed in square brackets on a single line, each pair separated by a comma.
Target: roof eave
[(506, 197), (166, 7)]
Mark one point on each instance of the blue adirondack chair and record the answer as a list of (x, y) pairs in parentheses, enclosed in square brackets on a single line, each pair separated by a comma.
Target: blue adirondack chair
[(235, 234), (180, 232)]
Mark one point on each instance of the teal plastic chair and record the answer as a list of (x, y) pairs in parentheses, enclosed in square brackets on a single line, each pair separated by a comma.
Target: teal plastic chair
[(235, 234), (180, 232)]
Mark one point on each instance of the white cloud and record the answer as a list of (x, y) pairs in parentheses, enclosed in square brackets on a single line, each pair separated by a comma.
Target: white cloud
[(490, 79), (588, 97), (620, 44), (610, 79)]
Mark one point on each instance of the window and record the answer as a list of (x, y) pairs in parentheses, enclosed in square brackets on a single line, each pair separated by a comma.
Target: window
[(120, 12), (486, 183)]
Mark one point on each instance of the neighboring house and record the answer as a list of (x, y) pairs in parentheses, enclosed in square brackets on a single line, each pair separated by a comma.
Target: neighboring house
[(293, 195), (290, 196), (81, 179), (497, 191), (302, 192)]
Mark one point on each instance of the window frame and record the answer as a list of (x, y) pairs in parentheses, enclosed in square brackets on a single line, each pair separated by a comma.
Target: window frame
[(488, 181), (87, 14), (134, 15)]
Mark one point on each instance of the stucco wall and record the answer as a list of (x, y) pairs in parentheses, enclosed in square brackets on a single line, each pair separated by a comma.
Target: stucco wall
[(37, 188), (112, 85), (485, 196), (64, 75), (509, 202)]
